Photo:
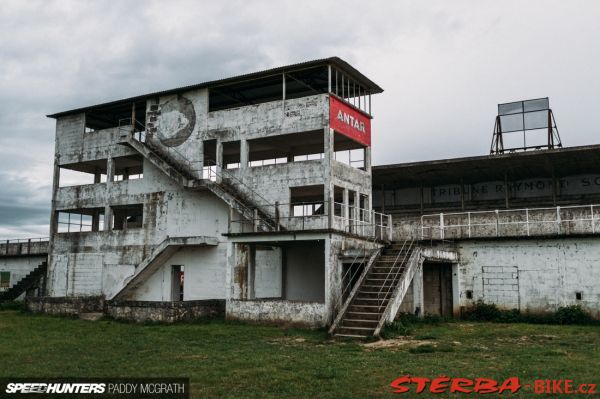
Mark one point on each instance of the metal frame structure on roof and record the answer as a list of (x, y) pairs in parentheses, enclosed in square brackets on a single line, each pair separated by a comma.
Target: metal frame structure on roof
[(336, 62)]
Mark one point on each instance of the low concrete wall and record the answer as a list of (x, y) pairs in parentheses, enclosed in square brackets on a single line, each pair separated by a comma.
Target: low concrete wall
[(310, 314), (65, 306), (143, 311)]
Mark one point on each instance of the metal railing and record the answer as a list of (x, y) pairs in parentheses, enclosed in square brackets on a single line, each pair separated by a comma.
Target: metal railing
[(352, 272), (362, 222), (369, 224), (407, 247), (24, 246), (578, 219)]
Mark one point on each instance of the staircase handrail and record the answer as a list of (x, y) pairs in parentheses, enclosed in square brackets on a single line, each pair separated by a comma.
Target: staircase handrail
[(410, 242), (415, 257), (222, 172), (218, 172), (355, 289)]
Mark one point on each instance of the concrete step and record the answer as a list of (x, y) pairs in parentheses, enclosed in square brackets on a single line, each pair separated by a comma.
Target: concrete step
[(366, 309), (361, 331), (350, 336), (373, 294), (359, 323), (363, 316)]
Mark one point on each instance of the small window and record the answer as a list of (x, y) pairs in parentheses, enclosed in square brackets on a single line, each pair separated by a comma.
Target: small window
[(4, 279), (579, 296), (469, 294)]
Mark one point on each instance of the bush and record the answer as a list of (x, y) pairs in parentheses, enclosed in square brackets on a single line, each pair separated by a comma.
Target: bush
[(481, 311), (573, 314), (13, 305), (396, 328)]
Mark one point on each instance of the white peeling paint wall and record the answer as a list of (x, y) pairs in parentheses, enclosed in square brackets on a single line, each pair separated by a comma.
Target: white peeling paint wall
[(531, 275)]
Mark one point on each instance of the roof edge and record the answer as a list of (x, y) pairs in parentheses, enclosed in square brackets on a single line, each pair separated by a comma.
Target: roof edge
[(335, 61)]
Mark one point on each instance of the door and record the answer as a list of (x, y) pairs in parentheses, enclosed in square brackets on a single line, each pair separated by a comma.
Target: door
[(437, 289)]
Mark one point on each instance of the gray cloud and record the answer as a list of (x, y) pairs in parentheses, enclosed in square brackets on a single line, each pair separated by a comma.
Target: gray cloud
[(444, 66)]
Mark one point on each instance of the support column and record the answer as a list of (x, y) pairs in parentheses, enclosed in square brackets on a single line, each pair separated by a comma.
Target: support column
[(244, 154), (251, 271), (354, 226), (97, 176), (346, 209), (219, 160), (506, 189), (110, 176), (418, 293), (368, 160), (328, 184)]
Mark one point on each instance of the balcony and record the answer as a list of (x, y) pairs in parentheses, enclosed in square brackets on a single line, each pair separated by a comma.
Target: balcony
[(528, 222)]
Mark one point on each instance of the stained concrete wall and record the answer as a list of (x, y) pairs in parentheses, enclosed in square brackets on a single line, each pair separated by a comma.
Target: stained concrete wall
[(93, 263), (305, 272), (19, 267), (268, 272), (533, 275)]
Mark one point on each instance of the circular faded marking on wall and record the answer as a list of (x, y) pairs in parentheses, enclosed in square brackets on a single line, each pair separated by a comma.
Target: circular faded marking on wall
[(175, 121)]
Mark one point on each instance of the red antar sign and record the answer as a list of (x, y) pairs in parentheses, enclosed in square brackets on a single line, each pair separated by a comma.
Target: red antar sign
[(349, 121)]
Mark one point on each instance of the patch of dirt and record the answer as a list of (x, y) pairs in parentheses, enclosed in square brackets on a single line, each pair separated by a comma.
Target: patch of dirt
[(545, 336), (397, 343), (192, 357), (288, 341)]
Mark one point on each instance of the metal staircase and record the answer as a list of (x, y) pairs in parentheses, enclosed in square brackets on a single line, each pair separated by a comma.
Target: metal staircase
[(239, 196), (378, 292), (27, 282)]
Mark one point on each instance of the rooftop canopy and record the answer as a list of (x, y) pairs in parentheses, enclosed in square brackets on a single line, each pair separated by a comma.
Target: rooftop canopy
[(517, 166), (302, 79)]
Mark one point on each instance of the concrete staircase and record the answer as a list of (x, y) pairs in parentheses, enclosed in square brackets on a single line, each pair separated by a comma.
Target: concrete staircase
[(27, 282), (379, 293), (228, 189), (161, 253)]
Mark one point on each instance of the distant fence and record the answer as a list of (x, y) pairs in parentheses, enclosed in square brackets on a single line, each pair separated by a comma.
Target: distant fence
[(24, 246)]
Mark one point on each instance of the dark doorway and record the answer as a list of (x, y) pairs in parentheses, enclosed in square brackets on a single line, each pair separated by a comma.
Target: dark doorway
[(437, 289), (177, 283)]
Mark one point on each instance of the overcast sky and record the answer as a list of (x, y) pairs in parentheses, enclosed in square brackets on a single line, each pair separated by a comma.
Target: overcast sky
[(444, 65)]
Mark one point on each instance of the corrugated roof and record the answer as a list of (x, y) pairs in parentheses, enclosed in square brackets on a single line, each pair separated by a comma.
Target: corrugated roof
[(517, 166), (334, 61)]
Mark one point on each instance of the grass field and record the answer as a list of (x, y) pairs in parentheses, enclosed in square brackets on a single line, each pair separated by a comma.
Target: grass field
[(234, 360)]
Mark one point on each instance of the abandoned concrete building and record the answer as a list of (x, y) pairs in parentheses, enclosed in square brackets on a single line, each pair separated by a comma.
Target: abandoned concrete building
[(254, 197)]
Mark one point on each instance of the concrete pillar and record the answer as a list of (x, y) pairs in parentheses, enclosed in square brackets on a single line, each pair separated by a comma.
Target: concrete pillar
[(251, 271), (328, 183), (346, 210), (97, 176), (418, 292), (244, 153), (110, 176), (219, 160), (368, 160), (96, 221)]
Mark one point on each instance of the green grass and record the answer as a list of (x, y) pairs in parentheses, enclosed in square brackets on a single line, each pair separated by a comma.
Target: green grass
[(235, 360)]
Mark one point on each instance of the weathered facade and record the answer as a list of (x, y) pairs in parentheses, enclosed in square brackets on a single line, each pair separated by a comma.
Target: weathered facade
[(524, 225), (247, 190), (254, 197)]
